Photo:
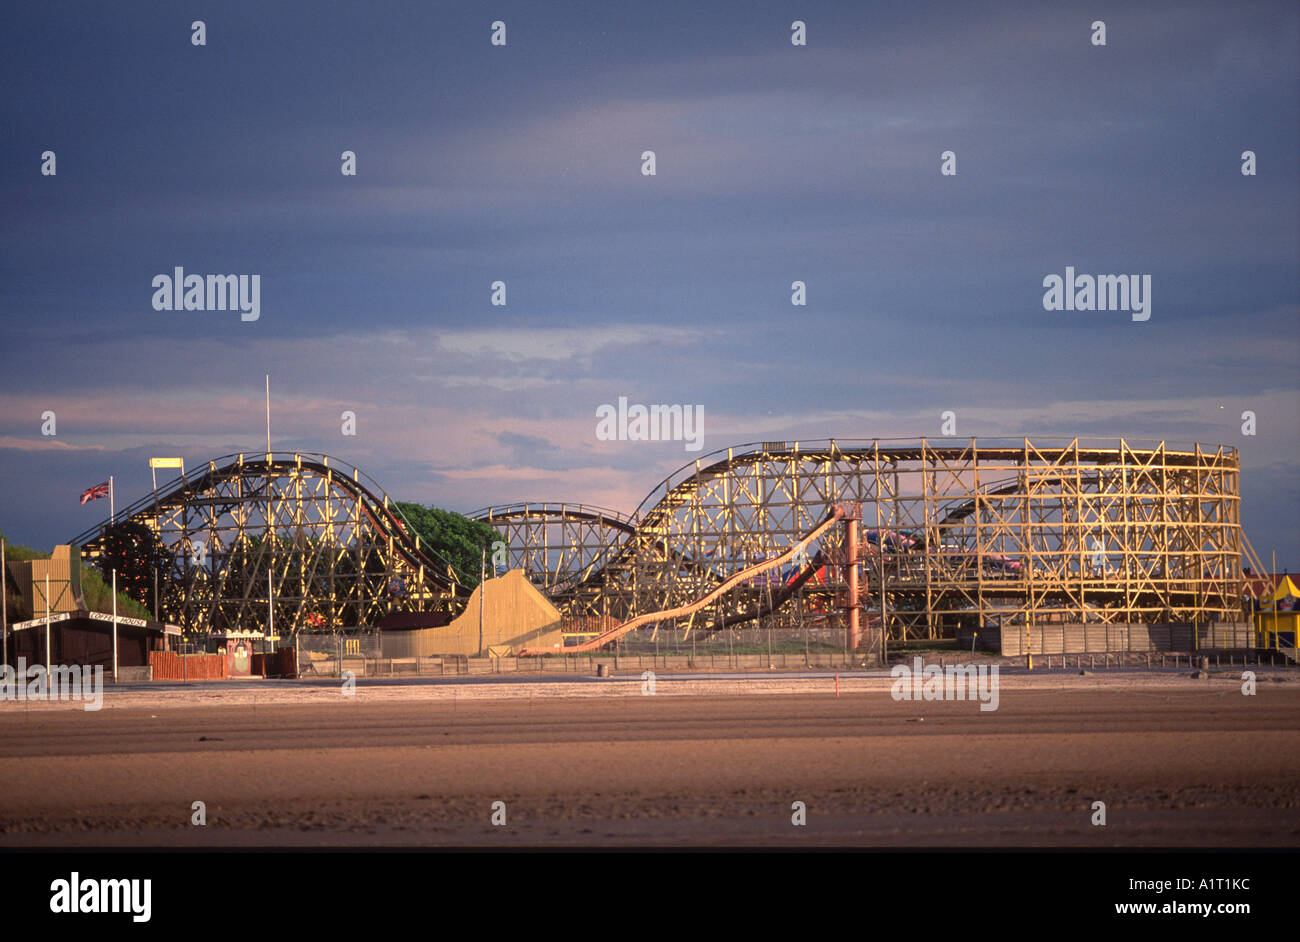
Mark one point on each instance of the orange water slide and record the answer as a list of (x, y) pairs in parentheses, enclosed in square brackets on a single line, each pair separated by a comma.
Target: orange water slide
[(837, 513)]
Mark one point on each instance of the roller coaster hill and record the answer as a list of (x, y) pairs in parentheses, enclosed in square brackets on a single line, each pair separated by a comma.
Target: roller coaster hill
[(921, 538)]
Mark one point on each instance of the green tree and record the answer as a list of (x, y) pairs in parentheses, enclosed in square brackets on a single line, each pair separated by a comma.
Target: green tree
[(451, 537), (98, 595), (136, 553)]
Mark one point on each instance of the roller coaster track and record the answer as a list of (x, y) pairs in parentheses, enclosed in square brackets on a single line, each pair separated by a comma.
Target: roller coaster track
[(530, 510), (1007, 529), (650, 517), (682, 611), (340, 551), (1020, 544), (562, 543), (595, 537)]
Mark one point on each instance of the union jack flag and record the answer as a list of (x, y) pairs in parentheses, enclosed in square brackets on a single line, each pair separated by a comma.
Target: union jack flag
[(94, 493)]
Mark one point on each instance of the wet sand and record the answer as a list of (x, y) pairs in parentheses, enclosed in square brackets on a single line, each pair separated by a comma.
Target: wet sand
[(1177, 762)]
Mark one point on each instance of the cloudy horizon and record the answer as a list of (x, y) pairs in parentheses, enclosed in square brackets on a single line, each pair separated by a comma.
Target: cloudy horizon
[(523, 164)]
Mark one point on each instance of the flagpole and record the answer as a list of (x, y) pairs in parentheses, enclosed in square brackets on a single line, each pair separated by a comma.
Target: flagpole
[(112, 512), (268, 414)]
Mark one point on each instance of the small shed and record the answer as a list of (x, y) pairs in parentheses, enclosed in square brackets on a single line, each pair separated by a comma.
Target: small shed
[(86, 638), (1277, 613)]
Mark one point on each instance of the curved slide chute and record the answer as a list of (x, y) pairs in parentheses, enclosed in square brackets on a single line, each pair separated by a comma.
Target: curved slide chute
[(837, 513)]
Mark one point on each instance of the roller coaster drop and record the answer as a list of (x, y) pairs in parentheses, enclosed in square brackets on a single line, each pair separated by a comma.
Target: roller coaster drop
[(338, 552), (951, 533)]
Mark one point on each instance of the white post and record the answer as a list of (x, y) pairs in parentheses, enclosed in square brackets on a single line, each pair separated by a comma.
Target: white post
[(268, 414), (114, 626), (270, 621), (4, 603), (47, 625)]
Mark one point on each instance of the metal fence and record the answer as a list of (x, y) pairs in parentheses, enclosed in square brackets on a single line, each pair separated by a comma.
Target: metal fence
[(452, 665)]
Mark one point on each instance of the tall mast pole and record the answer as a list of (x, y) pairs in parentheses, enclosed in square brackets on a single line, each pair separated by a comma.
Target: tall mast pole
[(268, 414)]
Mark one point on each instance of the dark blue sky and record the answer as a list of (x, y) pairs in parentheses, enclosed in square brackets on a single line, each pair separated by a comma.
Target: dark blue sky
[(522, 163)]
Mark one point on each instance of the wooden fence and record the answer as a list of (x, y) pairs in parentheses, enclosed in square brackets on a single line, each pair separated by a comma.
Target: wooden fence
[(167, 665), (1101, 638)]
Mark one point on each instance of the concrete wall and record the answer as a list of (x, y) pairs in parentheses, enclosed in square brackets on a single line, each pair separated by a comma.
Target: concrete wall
[(515, 616), (1093, 638)]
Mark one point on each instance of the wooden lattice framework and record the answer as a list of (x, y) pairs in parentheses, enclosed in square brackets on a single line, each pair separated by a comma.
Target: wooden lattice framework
[(338, 553), (1011, 532), (559, 545), (1014, 532)]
